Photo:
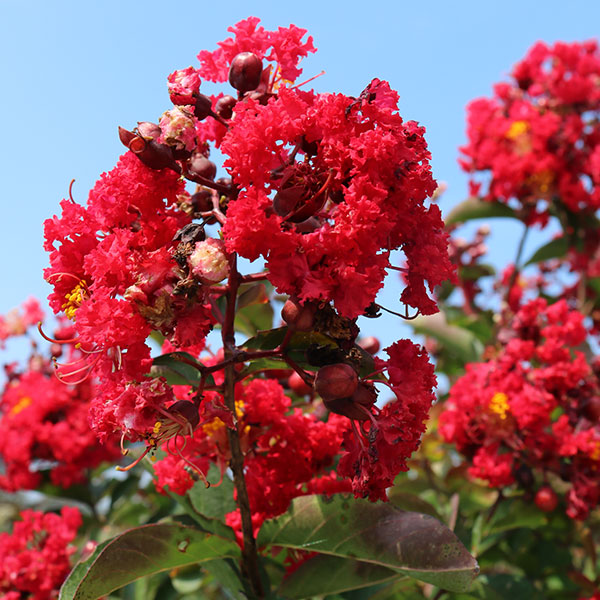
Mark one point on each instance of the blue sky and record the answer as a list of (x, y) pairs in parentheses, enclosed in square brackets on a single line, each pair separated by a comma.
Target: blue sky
[(73, 71)]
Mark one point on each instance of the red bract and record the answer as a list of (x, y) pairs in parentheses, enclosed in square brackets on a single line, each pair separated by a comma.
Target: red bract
[(35, 558), (528, 407), (538, 139)]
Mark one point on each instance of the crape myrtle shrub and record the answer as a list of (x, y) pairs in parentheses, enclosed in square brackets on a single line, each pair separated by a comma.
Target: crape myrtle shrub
[(264, 442)]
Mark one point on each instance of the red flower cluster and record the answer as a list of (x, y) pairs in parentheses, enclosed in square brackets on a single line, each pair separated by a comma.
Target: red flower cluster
[(35, 558), (286, 450), (114, 274), (44, 430), (376, 454), (539, 137), (328, 186), (323, 186), (532, 411)]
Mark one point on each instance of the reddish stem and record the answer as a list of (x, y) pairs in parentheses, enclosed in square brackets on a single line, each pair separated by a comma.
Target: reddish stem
[(249, 551)]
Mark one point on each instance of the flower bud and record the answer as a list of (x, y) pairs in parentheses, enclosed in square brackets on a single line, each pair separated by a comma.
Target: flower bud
[(154, 155), (126, 136), (308, 225), (365, 396), (224, 106), (298, 317), (187, 411), (546, 499), (148, 130), (209, 262), (203, 107), (200, 166), (245, 71), (298, 385), (336, 381), (183, 85), (370, 344)]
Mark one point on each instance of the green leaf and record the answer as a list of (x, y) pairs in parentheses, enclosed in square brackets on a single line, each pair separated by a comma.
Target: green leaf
[(188, 580), (268, 340), (477, 208), (411, 544), (141, 552), (474, 272), (263, 364), (556, 248), (254, 293), (411, 502), (175, 368), (516, 514), (227, 574), (213, 502), (327, 574), (254, 318), (594, 283), (208, 506), (459, 342)]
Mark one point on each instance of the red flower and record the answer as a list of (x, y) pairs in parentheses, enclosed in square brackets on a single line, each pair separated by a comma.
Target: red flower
[(528, 408), (537, 139), (34, 559)]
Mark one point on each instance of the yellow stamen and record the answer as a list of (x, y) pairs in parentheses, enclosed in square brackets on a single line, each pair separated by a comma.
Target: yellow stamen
[(517, 129), (595, 453), (217, 424), (74, 299), (499, 404), (20, 405)]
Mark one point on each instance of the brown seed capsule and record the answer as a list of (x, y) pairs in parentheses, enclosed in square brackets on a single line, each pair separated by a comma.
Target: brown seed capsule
[(357, 406), (297, 316), (245, 71), (336, 381), (202, 202), (591, 409)]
